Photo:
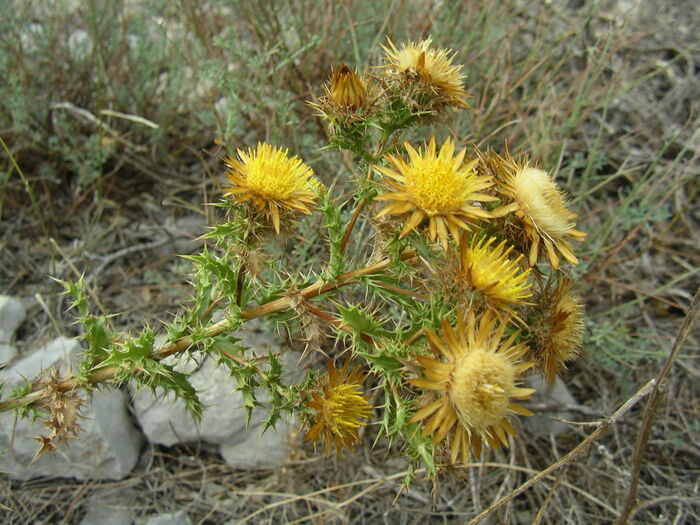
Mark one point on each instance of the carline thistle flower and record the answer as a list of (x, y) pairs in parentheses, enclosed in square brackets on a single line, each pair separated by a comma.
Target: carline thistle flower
[(272, 180), (557, 329), (474, 387), (538, 202), (341, 408), (438, 186), (494, 275), (428, 71), (347, 89)]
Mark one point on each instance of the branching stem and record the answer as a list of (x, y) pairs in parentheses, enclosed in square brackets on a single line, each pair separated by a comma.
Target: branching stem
[(275, 306)]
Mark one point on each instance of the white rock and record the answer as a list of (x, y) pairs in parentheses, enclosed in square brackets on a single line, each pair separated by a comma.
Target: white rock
[(12, 314), (7, 353), (106, 448), (255, 450), (171, 518), (61, 352), (166, 421)]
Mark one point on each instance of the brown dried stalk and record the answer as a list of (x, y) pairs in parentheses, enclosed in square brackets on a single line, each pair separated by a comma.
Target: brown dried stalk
[(651, 408), (572, 456)]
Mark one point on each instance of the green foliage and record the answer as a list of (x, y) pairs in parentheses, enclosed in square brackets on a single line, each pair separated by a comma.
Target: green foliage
[(24, 410), (335, 227)]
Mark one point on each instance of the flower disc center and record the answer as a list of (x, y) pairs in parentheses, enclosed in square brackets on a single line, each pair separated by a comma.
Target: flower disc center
[(480, 387)]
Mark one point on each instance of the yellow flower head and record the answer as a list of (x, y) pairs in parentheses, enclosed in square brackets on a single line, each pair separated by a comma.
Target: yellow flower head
[(272, 180), (492, 273), (538, 202), (428, 70), (558, 331), (341, 409), (475, 386), (347, 90), (435, 185)]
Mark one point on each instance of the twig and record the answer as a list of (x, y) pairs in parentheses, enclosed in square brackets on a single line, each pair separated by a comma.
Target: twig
[(651, 408), (135, 248), (569, 458), (84, 114)]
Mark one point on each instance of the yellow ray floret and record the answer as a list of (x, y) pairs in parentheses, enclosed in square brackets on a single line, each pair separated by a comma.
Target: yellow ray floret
[(537, 200), (438, 186), (492, 273), (471, 394), (341, 409), (432, 69), (272, 180)]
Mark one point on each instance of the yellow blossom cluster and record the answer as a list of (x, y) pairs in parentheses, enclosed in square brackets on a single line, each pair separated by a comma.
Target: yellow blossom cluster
[(497, 227)]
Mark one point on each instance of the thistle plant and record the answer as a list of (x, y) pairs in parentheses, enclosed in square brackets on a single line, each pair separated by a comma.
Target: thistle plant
[(420, 333)]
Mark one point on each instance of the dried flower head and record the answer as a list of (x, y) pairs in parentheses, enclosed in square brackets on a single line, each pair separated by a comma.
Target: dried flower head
[(347, 100), (62, 410), (435, 185), (492, 273), (347, 89), (341, 409), (557, 331), (430, 72), (539, 204), (475, 387), (272, 180)]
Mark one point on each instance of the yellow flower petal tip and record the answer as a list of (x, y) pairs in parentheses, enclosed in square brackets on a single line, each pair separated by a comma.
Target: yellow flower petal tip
[(494, 275)]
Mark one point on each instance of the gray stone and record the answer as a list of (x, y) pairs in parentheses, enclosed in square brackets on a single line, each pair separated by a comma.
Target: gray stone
[(171, 518), (62, 352), (12, 314), (7, 353), (107, 447), (255, 450), (547, 402), (166, 421)]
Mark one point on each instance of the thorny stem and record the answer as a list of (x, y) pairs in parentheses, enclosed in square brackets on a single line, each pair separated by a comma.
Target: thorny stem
[(361, 205), (277, 305), (325, 316)]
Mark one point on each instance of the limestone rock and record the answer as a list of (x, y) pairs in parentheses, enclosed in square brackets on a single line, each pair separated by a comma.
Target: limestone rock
[(166, 421), (255, 450), (12, 314), (553, 402)]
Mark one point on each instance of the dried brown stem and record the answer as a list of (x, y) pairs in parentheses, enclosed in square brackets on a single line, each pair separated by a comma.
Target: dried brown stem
[(274, 306), (572, 456), (651, 408)]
